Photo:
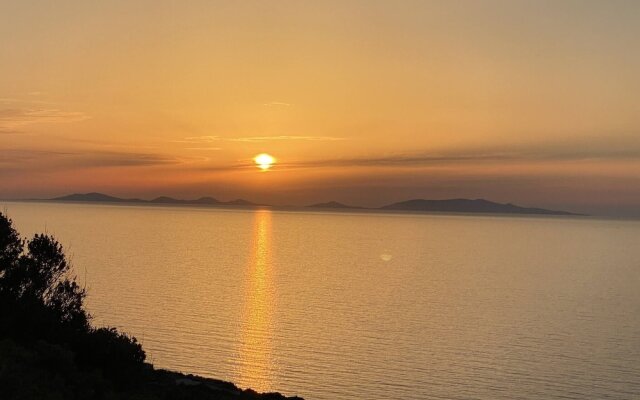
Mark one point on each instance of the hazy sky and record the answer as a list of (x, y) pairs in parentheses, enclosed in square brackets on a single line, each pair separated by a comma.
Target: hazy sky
[(365, 102)]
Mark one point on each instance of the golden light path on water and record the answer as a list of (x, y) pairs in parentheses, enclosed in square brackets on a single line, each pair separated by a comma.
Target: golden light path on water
[(255, 363)]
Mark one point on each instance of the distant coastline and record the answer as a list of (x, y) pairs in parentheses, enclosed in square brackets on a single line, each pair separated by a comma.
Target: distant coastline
[(455, 206)]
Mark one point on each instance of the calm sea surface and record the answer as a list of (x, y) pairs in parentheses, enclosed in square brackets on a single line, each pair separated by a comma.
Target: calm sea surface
[(365, 306)]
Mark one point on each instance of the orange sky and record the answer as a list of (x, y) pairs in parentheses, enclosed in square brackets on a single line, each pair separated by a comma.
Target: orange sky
[(363, 102)]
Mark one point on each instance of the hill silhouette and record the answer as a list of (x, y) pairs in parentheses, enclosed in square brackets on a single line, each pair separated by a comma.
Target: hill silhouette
[(468, 206), (104, 198), (332, 204), (94, 196), (171, 200), (477, 206)]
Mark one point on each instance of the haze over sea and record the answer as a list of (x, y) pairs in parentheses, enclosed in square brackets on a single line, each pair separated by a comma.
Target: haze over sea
[(358, 305)]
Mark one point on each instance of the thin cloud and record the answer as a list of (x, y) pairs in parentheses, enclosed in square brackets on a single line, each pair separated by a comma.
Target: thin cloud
[(277, 104), (26, 101), (270, 138), (10, 132), (257, 139), (198, 139), (29, 159), (552, 152), (12, 118), (10, 100)]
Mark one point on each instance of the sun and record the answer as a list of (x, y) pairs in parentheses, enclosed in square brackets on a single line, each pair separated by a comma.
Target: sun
[(264, 161)]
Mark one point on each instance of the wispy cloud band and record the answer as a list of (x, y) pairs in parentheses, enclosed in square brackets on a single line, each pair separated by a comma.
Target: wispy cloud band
[(12, 118), (30, 159), (257, 139), (542, 153)]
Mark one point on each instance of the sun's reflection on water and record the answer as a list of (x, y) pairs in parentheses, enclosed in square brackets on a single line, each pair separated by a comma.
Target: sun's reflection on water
[(255, 363)]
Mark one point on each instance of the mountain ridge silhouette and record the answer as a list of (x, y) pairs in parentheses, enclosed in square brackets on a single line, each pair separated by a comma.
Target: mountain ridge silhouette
[(459, 205)]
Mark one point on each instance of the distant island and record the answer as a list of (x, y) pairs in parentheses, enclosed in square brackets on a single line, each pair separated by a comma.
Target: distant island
[(331, 204), (471, 206), (105, 198)]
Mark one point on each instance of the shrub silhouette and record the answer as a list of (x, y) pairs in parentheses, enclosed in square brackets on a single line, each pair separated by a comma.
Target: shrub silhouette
[(41, 302)]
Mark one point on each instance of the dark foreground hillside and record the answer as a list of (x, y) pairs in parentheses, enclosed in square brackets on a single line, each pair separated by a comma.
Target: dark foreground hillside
[(50, 350)]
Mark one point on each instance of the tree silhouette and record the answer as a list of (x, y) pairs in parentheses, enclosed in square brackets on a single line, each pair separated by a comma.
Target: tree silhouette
[(10, 244), (39, 278), (40, 300)]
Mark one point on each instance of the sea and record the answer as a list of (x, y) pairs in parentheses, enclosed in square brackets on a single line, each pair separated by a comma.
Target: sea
[(361, 305)]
